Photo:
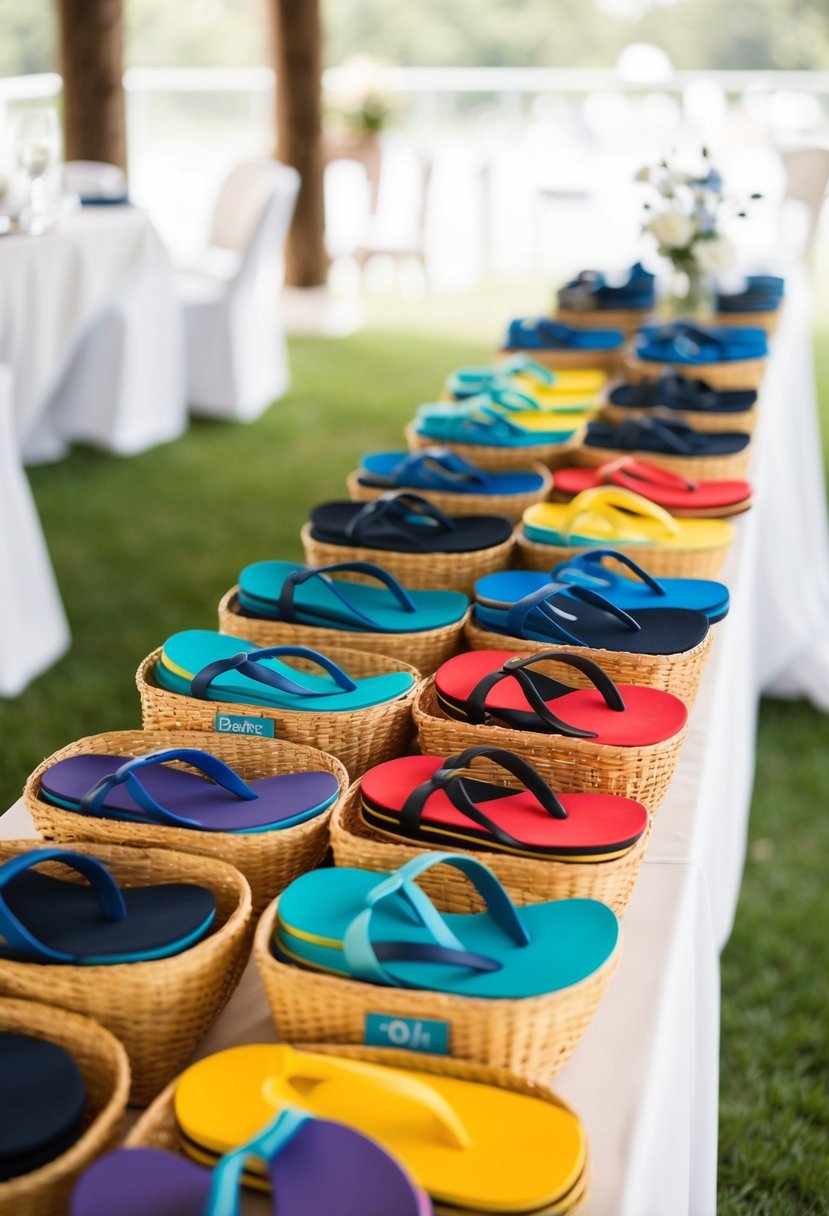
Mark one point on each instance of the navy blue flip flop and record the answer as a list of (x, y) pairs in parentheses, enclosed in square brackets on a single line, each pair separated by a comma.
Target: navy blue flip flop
[(590, 289), (672, 391), (663, 437), (42, 1101), (48, 920), (406, 523)]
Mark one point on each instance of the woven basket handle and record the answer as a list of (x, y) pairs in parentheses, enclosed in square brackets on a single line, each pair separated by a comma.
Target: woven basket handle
[(287, 610), (103, 884), (450, 779), (127, 775), (248, 663)]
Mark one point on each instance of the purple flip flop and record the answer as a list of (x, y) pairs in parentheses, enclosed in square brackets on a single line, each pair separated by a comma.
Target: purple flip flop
[(315, 1167), (145, 788)]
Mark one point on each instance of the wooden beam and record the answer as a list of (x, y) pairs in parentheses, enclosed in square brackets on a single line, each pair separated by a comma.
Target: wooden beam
[(297, 60), (91, 64)]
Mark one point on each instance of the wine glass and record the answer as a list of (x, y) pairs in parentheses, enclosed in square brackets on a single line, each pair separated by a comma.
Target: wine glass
[(37, 146)]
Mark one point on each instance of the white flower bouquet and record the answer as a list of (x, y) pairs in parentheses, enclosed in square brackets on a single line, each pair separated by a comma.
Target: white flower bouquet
[(687, 218)]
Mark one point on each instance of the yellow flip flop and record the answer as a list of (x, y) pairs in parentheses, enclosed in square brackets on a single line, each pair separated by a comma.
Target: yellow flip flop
[(468, 1144), (612, 514)]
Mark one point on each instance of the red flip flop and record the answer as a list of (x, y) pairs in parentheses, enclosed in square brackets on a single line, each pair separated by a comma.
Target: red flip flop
[(500, 686), (693, 498), (437, 801)]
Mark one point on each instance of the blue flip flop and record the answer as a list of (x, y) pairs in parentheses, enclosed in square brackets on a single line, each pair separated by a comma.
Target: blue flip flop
[(307, 595), (760, 293), (47, 920), (663, 437), (442, 471), (142, 789), (672, 391), (481, 421), (216, 667), (541, 333), (403, 522), (41, 1103), (383, 929), (683, 342), (551, 614), (590, 289), (471, 381), (501, 590)]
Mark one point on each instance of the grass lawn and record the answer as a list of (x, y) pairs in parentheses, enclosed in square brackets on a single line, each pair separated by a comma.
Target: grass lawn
[(146, 546)]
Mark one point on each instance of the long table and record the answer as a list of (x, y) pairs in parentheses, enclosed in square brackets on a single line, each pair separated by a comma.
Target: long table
[(645, 1077)]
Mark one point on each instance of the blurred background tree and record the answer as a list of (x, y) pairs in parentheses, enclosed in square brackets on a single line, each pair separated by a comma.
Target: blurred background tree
[(788, 34)]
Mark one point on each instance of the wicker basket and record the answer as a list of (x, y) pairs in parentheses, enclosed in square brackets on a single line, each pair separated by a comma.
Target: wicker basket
[(528, 880), (425, 650), (359, 738), (692, 468), (662, 561), (511, 506), (268, 860), (603, 360), (496, 459), (106, 1076), (628, 320), (568, 765), (533, 1037), (734, 373), (676, 673), (158, 1127), (758, 320), (419, 571), (159, 1010), (700, 420)]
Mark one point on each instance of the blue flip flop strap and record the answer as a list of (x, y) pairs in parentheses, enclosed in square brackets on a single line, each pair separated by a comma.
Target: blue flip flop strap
[(538, 602), (476, 702), (225, 1194), (630, 434), (363, 957), (106, 890), (521, 365), (248, 663), (450, 470), (511, 399), (490, 421), (393, 510), (127, 775), (450, 779), (679, 393), (582, 563), (288, 609)]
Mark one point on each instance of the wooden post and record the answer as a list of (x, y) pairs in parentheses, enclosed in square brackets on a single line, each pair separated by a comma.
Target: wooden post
[(297, 60), (91, 63)]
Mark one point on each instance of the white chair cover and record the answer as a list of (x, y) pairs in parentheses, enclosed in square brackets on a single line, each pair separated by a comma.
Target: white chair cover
[(33, 628), (237, 361)]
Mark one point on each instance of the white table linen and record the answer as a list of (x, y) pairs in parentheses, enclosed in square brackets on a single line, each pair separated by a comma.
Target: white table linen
[(91, 325), (33, 629)]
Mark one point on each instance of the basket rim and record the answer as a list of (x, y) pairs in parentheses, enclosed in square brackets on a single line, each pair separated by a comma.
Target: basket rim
[(537, 453), (105, 1122), (233, 925), (524, 542)]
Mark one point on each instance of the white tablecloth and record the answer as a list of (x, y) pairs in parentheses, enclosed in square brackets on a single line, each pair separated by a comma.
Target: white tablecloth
[(91, 325), (645, 1077)]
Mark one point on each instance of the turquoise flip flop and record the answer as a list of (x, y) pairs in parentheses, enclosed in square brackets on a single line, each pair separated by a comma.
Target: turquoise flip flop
[(305, 595), (478, 421), (383, 929), (215, 667)]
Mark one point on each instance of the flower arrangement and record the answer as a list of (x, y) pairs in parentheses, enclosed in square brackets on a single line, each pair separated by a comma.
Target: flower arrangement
[(687, 220), (363, 108)]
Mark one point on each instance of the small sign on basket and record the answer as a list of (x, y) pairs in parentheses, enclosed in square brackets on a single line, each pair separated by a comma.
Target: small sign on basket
[(236, 724), (409, 1034)]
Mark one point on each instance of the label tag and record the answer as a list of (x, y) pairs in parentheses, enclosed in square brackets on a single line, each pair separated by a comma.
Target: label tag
[(411, 1034), (235, 724)]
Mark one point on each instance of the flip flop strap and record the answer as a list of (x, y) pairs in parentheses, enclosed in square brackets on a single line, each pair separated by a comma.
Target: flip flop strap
[(602, 499), (104, 886), (554, 615), (438, 469), (631, 434), (678, 392), (641, 470), (450, 779), (365, 958), (515, 666), (392, 511), (521, 365), (687, 339), (248, 663), (580, 566), (288, 607), (93, 800), (225, 1195), (511, 400)]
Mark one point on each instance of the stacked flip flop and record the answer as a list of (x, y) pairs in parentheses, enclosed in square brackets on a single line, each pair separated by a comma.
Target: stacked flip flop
[(758, 301), (594, 298)]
